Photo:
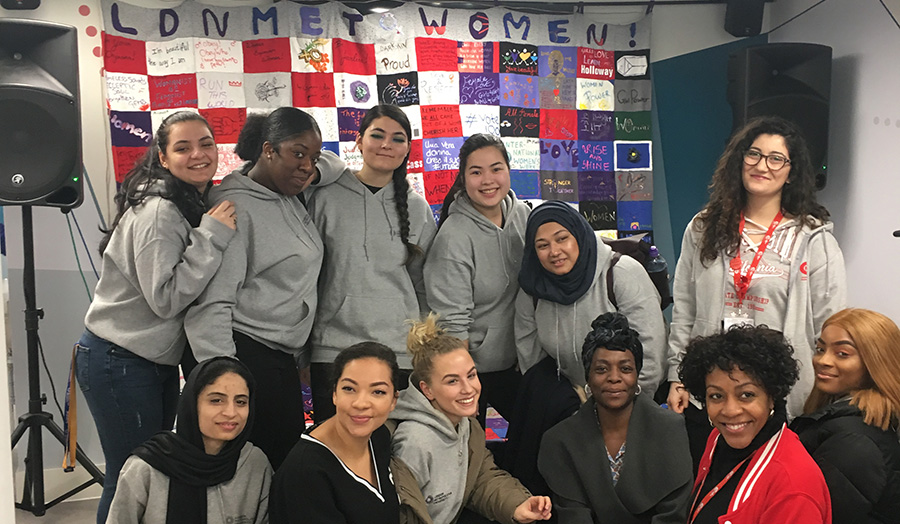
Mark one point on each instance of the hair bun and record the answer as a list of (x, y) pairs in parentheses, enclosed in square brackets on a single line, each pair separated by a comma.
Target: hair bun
[(423, 332)]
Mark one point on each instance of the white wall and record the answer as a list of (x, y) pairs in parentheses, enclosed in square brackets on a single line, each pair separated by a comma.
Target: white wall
[(863, 186), (60, 291)]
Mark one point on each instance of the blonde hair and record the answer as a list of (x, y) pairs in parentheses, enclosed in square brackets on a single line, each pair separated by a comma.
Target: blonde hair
[(877, 339), (425, 341)]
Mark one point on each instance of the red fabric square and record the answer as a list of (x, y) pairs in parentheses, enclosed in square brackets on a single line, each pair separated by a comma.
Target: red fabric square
[(267, 55), (226, 122), (415, 163), (352, 57), (596, 63), (441, 121), (437, 184), (559, 124), (123, 55), (313, 89), (437, 54), (125, 158), (171, 91)]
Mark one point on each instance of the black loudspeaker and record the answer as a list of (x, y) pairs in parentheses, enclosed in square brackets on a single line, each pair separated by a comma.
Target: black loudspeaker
[(744, 17), (40, 124), (789, 80)]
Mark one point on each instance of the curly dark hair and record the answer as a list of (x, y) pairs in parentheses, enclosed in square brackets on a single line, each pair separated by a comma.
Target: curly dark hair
[(758, 351), (611, 331), (719, 221)]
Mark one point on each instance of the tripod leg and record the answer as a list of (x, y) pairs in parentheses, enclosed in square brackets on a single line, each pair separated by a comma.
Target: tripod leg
[(57, 432)]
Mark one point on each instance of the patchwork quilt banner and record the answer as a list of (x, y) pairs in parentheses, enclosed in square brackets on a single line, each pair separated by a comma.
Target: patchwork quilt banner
[(569, 96)]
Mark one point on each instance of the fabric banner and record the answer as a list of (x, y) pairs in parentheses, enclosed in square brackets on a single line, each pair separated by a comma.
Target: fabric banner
[(569, 96)]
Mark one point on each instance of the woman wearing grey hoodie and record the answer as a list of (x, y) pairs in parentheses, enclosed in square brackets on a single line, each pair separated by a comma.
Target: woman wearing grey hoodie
[(261, 303), (442, 445), (160, 253), (376, 232), (470, 274)]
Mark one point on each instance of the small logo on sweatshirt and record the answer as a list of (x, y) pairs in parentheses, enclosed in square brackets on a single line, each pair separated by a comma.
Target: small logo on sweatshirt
[(437, 498)]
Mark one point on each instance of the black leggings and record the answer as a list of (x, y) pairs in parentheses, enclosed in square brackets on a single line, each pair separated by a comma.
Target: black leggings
[(278, 399)]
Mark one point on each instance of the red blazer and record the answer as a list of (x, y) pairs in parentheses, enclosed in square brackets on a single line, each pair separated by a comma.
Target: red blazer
[(782, 484)]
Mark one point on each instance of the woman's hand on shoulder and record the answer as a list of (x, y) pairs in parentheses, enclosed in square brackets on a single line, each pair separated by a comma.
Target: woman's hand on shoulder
[(224, 213), (678, 397), (534, 508)]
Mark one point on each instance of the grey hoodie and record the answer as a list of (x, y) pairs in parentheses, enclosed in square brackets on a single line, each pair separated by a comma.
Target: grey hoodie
[(435, 451), (154, 267), (471, 279), (266, 285), (366, 291), (558, 330), (143, 493), (817, 288)]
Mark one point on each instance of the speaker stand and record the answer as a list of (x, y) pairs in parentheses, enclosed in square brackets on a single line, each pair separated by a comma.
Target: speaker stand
[(37, 418)]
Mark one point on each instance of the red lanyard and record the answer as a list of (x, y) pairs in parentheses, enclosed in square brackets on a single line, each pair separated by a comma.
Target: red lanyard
[(712, 492), (742, 282)]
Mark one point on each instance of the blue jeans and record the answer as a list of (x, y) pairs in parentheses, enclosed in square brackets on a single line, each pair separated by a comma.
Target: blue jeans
[(130, 399)]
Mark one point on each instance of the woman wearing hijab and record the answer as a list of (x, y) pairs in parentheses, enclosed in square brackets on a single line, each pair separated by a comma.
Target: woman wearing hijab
[(564, 279), (206, 472)]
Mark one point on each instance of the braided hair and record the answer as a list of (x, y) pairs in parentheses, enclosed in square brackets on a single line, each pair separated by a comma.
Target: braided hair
[(611, 331), (139, 182), (472, 144), (401, 185)]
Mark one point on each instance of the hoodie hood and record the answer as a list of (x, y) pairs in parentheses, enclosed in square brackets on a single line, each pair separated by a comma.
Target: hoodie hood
[(238, 183), (413, 405), (462, 204)]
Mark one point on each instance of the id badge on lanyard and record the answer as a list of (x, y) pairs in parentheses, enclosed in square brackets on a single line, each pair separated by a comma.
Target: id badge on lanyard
[(742, 282)]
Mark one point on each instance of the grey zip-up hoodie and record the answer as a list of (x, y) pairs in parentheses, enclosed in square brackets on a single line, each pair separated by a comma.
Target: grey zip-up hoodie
[(154, 267), (817, 288), (366, 291), (471, 279), (558, 330), (143, 493), (266, 285), (436, 452)]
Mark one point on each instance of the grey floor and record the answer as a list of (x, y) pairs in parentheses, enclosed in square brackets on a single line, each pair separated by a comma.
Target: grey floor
[(69, 512)]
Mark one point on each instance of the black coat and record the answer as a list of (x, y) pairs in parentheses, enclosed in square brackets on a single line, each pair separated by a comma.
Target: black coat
[(861, 463)]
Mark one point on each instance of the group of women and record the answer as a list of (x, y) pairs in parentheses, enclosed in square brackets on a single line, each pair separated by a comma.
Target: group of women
[(296, 261)]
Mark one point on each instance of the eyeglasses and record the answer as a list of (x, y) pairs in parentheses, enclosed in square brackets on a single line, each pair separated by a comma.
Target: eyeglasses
[(774, 161)]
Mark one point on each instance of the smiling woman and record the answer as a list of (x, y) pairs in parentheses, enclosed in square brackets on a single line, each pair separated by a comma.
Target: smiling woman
[(852, 415), (206, 471), (435, 429), (339, 470), (261, 303), (757, 471)]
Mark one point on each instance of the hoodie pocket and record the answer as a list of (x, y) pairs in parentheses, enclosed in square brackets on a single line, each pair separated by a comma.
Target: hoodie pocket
[(495, 348), (367, 318)]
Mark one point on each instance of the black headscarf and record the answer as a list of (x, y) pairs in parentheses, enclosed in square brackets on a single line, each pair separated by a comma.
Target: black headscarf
[(540, 283), (181, 455)]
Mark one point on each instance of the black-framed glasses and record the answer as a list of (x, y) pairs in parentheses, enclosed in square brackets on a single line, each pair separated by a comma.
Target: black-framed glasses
[(775, 161)]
